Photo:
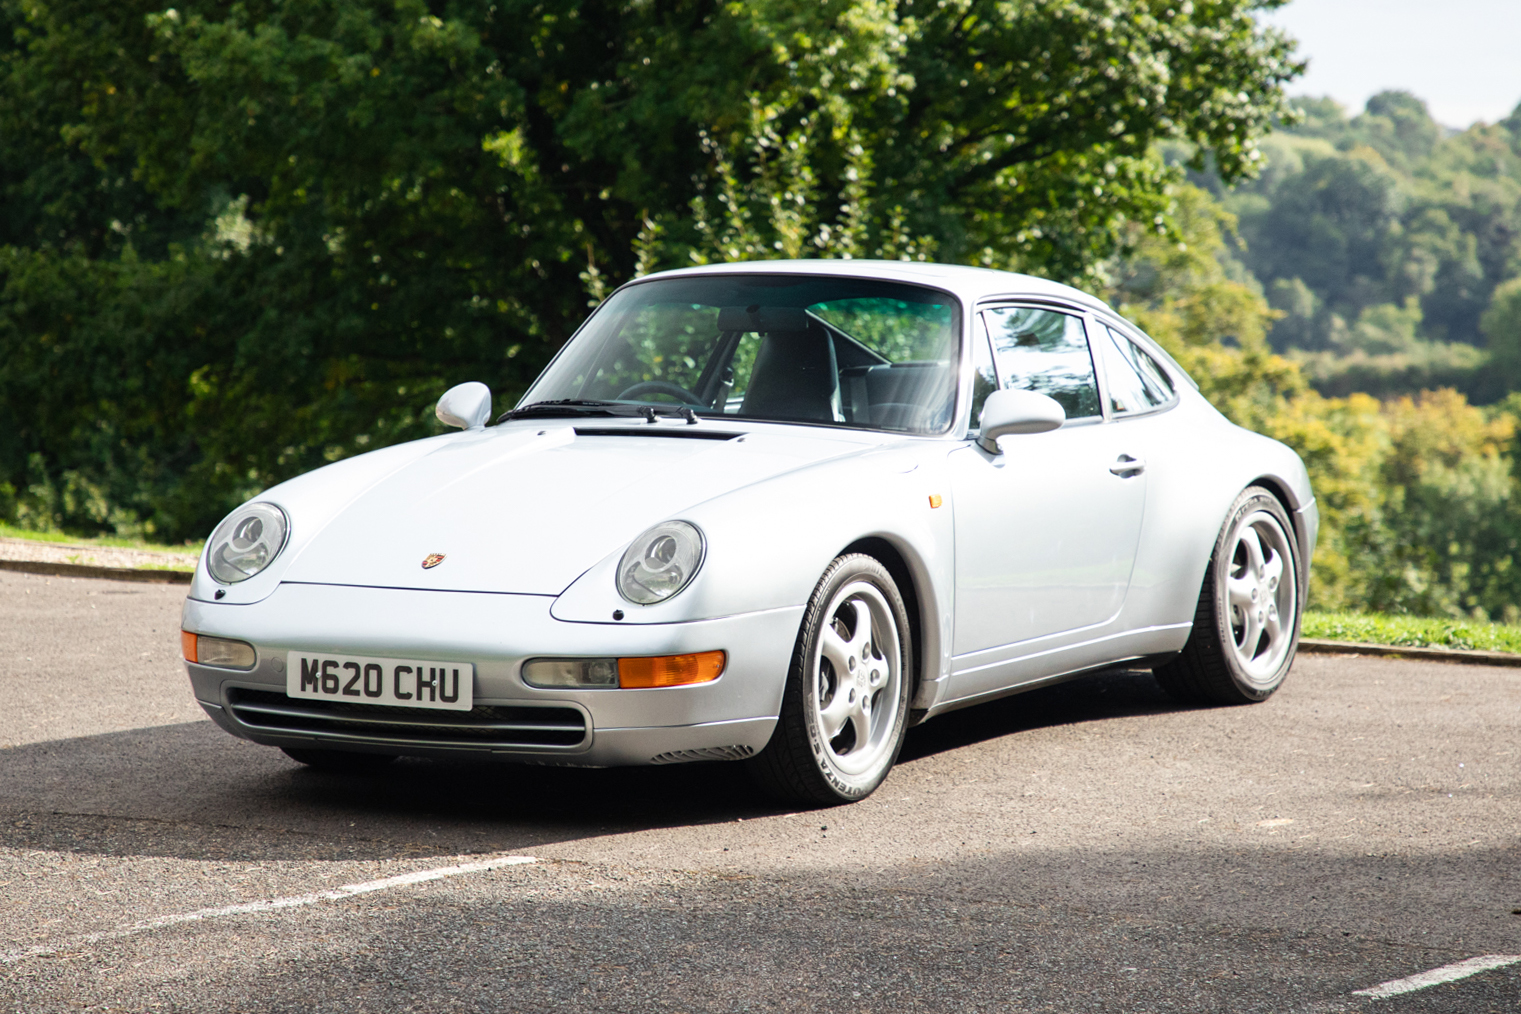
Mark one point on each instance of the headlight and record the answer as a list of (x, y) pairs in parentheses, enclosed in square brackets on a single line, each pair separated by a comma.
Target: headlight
[(246, 542), (660, 563)]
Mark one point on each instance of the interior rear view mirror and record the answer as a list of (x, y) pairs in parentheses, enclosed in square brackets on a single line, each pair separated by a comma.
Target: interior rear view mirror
[(765, 319)]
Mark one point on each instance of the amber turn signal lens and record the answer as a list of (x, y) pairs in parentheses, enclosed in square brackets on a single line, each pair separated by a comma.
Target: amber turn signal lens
[(187, 645), (670, 670)]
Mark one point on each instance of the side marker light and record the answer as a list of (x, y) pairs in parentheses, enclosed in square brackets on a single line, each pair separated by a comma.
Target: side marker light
[(935, 500)]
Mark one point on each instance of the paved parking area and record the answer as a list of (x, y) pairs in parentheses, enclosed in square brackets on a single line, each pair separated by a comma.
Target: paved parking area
[(1087, 847)]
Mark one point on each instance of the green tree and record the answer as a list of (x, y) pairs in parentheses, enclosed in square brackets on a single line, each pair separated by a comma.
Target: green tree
[(313, 215), (1353, 214), (1180, 288), (1501, 325), (1331, 225)]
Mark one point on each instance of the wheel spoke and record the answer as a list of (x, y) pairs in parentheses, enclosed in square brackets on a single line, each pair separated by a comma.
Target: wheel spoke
[(837, 651), (839, 711), (1251, 633), (860, 717), (1239, 591), (1252, 543), (1272, 572), (862, 627), (1274, 627)]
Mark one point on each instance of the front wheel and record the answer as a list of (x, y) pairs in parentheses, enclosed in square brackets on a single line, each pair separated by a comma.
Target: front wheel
[(845, 708), (1246, 625)]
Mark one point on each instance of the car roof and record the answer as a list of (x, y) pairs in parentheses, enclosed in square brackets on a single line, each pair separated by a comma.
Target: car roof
[(971, 284)]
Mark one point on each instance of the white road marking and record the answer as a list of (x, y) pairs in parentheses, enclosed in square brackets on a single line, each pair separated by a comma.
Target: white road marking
[(264, 905), (1437, 976)]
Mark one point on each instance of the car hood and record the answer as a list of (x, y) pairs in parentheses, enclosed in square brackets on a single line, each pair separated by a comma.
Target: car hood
[(527, 509)]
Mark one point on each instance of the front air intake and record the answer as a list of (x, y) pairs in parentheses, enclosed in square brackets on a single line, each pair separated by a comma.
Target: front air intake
[(706, 753), (483, 726)]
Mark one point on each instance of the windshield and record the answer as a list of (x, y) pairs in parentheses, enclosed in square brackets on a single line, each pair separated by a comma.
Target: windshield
[(784, 347)]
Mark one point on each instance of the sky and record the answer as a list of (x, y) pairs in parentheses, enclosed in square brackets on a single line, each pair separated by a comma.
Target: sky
[(1462, 56)]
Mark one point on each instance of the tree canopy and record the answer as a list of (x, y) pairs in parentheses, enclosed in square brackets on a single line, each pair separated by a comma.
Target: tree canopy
[(1383, 240), (239, 239)]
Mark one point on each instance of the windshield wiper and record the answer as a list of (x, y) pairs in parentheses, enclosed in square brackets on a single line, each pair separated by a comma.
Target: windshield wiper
[(570, 406)]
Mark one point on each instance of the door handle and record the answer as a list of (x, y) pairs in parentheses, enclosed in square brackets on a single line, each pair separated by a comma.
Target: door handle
[(1126, 465)]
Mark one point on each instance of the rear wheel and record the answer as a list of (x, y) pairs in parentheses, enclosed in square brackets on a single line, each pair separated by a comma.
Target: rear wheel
[(845, 709), (339, 760), (1246, 624)]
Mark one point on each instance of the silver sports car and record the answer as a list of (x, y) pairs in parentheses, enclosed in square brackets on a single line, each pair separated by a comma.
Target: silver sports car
[(773, 513)]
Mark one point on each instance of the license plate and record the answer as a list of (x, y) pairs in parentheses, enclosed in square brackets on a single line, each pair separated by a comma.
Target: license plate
[(398, 682)]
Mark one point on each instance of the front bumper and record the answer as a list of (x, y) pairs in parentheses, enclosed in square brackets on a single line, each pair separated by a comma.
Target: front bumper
[(730, 718)]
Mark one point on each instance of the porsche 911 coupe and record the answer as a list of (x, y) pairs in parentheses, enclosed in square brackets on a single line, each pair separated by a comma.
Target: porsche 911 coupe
[(772, 513)]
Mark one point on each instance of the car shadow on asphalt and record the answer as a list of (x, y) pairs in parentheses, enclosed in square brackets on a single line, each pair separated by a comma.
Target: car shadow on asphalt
[(192, 791), (1113, 693)]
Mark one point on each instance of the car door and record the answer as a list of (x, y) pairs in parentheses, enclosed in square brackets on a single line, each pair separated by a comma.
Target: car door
[(1046, 531), (1138, 396)]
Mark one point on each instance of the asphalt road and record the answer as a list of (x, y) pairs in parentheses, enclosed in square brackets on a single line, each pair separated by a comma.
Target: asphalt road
[(1088, 847)]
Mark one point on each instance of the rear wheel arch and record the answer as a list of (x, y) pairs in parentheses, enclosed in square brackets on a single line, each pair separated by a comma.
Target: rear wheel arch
[(1240, 648), (1281, 492)]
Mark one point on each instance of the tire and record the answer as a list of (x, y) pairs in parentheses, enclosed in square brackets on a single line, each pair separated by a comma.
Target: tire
[(1246, 625), (342, 761), (845, 707)]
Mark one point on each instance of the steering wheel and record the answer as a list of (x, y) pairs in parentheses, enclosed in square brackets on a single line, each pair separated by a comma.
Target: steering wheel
[(661, 387)]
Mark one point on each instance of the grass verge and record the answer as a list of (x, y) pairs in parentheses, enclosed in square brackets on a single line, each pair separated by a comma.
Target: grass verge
[(11, 532), (1412, 631)]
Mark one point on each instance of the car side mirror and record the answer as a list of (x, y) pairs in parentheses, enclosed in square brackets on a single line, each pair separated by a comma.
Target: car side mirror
[(467, 406), (1008, 412)]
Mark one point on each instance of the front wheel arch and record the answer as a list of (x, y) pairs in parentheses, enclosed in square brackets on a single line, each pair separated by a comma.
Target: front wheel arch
[(890, 557), (845, 707)]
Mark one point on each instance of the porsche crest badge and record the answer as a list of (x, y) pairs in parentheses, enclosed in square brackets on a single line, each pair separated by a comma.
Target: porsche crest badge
[(432, 560)]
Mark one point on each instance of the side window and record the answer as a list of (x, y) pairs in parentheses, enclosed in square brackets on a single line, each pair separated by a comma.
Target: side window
[(1136, 382), (1045, 351), (984, 378), (1152, 371)]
